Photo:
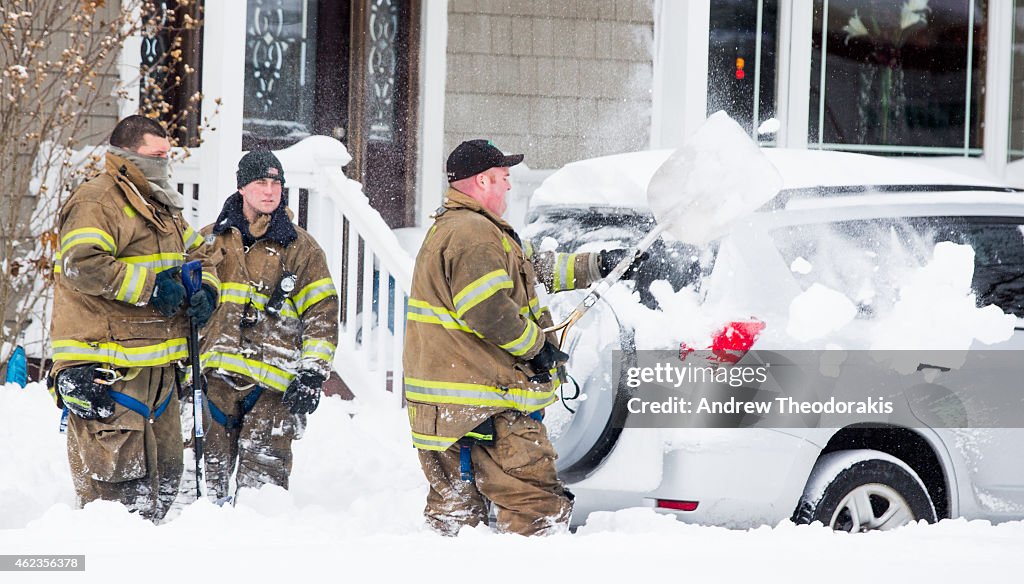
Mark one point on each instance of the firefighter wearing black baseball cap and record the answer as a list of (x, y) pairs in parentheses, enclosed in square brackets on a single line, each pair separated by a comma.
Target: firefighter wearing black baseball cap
[(475, 156), (479, 368)]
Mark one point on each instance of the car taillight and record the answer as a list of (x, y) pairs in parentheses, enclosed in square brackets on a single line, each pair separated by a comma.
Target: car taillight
[(731, 342), (677, 505)]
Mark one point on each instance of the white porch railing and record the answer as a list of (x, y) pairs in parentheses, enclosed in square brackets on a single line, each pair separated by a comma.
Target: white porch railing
[(370, 269)]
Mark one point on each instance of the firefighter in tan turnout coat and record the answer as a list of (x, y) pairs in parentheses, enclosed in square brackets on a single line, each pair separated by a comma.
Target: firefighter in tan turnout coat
[(478, 368), (271, 343), (120, 322)]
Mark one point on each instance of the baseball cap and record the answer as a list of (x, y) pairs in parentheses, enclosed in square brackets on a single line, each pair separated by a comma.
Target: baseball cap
[(475, 156)]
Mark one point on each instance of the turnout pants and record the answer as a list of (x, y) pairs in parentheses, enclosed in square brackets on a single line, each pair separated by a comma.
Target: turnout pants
[(127, 457), (515, 472), (259, 442)]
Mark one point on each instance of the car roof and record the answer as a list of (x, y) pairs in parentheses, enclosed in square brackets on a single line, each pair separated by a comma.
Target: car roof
[(621, 180)]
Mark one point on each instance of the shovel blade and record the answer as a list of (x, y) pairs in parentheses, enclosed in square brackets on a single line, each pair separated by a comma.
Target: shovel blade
[(716, 179)]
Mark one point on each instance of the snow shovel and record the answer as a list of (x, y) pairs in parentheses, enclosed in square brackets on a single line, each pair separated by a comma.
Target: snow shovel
[(192, 278), (697, 195)]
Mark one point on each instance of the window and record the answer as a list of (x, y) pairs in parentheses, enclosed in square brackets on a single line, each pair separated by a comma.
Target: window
[(898, 77), (1017, 88), (866, 260), (280, 71), (741, 61)]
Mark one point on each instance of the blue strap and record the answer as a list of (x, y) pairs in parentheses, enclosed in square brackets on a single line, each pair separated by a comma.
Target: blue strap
[(466, 462), (538, 415), (232, 422), (218, 416), (138, 407)]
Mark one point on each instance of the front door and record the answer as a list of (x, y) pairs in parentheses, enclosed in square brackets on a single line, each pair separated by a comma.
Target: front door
[(341, 68)]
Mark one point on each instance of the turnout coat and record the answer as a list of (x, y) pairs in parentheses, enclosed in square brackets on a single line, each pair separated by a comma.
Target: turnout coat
[(302, 336), (114, 238), (474, 320)]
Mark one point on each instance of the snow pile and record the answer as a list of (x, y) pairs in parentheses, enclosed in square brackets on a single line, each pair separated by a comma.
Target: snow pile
[(942, 288), (817, 312)]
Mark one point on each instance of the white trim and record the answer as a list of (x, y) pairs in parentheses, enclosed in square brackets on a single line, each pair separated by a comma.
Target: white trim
[(999, 86), (680, 87), (759, 36), (128, 65), (433, 72), (796, 23), (223, 80)]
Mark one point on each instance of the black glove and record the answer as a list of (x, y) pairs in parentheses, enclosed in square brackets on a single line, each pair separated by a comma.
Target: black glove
[(543, 362), (201, 305), (609, 258), (168, 293), (82, 395), (303, 395)]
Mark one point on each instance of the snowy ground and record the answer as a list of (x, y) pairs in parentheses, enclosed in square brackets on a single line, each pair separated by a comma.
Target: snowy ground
[(354, 513)]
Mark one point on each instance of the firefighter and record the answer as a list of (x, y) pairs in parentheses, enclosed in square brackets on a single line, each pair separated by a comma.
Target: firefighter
[(120, 321), (270, 345), (478, 368)]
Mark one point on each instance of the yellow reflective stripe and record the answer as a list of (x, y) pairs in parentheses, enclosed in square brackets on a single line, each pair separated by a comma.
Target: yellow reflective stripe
[(129, 211), (236, 293), (531, 308), (318, 349), (480, 289), (132, 285), (528, 249), (428, 442), (505, 244), (314, 293), (525, 341), (87, 235), (565, 271), (450, 392), (479, 436), (191, 238), (56, 263), (420, 311), (212, 280), (262, 373), (157, 261), (119, 355)]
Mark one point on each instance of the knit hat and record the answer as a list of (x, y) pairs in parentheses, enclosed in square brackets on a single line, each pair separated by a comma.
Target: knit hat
[(475, 156), (259, 164)]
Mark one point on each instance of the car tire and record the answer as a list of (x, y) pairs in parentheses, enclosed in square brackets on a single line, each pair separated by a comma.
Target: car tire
[(863, 490)]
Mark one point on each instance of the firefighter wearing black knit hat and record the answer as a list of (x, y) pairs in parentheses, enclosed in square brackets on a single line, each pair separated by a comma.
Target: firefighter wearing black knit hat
[(270, 347)]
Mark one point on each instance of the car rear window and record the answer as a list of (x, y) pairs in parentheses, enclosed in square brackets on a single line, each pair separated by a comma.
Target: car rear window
[(867, 259)]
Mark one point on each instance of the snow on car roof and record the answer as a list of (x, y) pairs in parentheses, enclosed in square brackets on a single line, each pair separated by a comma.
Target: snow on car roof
[(621, 180)]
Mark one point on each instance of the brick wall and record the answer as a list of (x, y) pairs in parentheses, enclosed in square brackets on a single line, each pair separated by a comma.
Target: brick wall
[(559, 80)]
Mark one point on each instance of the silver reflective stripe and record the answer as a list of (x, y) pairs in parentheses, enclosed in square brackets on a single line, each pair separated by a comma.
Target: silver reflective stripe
[(192, 239), (313, 293), (561, 271), (156, 261), (525, 340), (512, 395), (426, 443), (481, 291), (266, 374), (135, 278), (102, 239), (439, 314)]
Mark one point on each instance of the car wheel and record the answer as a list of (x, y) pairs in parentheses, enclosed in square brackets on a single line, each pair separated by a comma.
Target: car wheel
[(863, 490)]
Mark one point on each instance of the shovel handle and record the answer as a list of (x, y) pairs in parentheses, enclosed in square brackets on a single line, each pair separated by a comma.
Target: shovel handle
[(597, 289)]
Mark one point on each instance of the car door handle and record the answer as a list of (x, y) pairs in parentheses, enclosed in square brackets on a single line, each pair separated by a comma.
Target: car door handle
[(923, 366)]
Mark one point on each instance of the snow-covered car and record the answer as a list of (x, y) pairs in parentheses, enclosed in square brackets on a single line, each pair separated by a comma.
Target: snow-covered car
[(849, 255)]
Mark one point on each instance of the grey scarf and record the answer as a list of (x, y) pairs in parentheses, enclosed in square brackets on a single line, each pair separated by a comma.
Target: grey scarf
[(158, 172)]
